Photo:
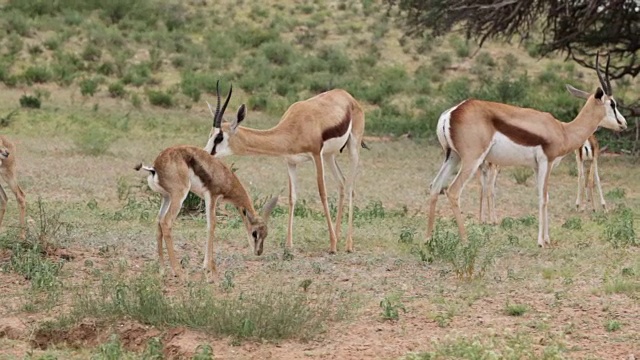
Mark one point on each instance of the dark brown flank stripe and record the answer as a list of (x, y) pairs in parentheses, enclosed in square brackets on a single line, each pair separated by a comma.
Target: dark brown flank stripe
[(339, 129), (199, 171), (518, 135)]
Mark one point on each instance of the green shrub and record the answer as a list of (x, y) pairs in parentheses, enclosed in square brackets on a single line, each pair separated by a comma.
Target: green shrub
[(116, 90), (91, 52), (88, 87), (160, 98), (28, 101), (337, 60), (441, 61), (521, 174), (278, 53), (516, 309), (619, 229), (37, 74), (251, 37)]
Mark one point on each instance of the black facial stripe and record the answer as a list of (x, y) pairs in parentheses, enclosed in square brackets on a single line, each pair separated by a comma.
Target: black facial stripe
[(218, 138)]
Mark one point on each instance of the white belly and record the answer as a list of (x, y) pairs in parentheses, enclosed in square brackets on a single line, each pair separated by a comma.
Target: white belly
[(196, 185), (505, 152), (334, 145)]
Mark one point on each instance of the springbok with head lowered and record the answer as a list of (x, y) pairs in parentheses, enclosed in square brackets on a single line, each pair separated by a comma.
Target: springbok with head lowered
[(8, 173), (180, 169), (315, 129), (475, 131)]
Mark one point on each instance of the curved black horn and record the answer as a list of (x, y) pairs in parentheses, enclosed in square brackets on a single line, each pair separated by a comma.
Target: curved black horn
[(216, 123), (603, 82), (609, 91), (224, 107)]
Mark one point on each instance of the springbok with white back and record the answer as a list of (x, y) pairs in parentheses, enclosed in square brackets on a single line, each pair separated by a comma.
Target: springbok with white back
[(315, 129), (475, 131), (8, 173), (180, 169), (590, 151)]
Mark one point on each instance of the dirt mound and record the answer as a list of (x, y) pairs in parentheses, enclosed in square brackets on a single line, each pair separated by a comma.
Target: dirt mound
[(178, 343), (81, 335), (12, 328)]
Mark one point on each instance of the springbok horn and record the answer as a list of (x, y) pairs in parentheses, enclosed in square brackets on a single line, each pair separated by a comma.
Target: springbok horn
[(224, 107)]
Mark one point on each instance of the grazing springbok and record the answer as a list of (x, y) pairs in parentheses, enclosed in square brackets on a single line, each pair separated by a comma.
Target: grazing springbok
[(590, 151), (314, 129), (8, 173), (180, 169), (475, 131)]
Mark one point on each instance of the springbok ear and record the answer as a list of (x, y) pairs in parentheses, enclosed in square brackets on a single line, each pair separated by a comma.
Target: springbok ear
[(268, 208), (242, 112), (211, 110), (599, 93), (577, 92)]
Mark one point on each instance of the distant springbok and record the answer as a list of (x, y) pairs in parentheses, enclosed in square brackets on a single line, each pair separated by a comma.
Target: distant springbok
[(8, 173), (476, 131), (180, 169)]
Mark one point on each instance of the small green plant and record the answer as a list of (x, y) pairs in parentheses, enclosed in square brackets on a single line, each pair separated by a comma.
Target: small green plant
[(521, 174), (203, 352), (88, 87), (619, 229), (391, 308), (227, 283), (153, 351), (30, 101), (37, 74), (616, 193), (573, 223), (304, 284), (516, 309), (407, 234), (111, 350), (612, 325)]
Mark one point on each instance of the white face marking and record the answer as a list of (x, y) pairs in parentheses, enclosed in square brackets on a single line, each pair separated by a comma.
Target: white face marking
[(221, 148), (612, 119), (334, 145)]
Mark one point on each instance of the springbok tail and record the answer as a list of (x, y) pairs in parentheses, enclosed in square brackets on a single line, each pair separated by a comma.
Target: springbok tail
[(143, 167), (365, 146)]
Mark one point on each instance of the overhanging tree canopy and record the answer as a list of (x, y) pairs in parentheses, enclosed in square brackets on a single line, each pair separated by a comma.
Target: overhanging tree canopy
[(578, 28)]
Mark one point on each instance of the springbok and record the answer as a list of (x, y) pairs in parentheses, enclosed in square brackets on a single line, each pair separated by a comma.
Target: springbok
[(475, 131), (8, 173), (180, 169), (314, 129), (589, 151)]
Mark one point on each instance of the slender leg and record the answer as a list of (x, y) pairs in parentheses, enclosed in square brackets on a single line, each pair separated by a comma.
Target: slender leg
[(17, 191), (543, 194), (3, 203), (166, 224), (446, 170), (580, 166), (317, 158), (292, 201), (351, 184), (491, 196), (339, 178), (484, 169), (209, 255), (467, 170), (590, 180), (166, 201), (597, 178)]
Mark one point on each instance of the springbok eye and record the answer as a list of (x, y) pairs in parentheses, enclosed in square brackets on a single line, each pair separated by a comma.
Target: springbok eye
[(255, 234)]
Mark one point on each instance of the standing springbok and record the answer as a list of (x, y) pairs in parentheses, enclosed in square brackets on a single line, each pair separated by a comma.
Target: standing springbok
[(475, 131), (180, 169), (314, 129), (8, 173), (590, 151)]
